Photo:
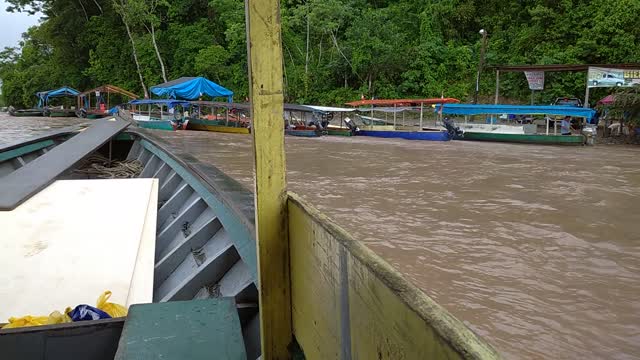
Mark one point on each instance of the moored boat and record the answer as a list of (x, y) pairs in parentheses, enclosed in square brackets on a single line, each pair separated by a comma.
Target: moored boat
[(385, 129), (45, 99), (526, 132), (25, 112), (155, 117), (98, 102), (222, 117)]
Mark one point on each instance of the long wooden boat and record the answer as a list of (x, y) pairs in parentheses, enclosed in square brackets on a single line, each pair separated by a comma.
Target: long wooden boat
[(526, 138), (408, 135), (205, 263), (216, 126), (26, 112), (52, 112), (517, 133), (339, 132), (302, 132)]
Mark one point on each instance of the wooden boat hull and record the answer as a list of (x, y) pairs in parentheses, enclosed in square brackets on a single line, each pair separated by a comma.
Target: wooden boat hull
[(339, 132), (302, 133), (156, 124), (215, 126), (526, 138), (26, 113), (408, 135)]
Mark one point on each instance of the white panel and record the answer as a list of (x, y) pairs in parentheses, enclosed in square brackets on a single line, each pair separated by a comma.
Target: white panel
[(74, 240)]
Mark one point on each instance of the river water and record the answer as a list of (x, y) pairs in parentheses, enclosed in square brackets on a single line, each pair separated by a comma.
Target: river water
[(536, 248)]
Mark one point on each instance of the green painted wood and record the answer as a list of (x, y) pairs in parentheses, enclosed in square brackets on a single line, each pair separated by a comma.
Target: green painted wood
[(11, 154), (241, 236), (177, 330), (207, 122), (155, 124), (526, 138), (339, 132)]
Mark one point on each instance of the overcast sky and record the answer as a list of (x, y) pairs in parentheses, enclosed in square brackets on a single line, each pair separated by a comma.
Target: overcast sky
[(12, 25)]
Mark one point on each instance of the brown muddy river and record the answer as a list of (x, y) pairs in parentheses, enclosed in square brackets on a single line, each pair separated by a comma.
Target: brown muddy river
[(536, 248)]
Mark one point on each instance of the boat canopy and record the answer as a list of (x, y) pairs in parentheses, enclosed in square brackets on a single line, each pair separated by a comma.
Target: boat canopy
[(44, 96), (191, 88), (402, 102), (85, 96), (482, 109), (168, 102)]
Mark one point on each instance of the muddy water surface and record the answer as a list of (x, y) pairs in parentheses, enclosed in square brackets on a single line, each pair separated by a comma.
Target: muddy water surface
[(536, 248)]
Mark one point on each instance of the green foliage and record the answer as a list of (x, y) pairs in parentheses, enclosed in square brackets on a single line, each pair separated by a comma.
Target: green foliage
[(334, 50)]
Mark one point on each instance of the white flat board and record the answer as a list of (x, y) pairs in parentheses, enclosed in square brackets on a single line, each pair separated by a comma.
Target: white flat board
[(74, 240)]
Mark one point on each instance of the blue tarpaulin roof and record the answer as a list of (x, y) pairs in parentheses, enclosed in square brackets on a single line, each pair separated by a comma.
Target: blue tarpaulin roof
[(480, 109), (191, 88), (44, 96)]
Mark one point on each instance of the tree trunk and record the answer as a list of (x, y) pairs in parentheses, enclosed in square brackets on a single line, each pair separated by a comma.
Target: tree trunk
[(135, 57), (306, 62), (83, 10), (99, 7), (155, 46)]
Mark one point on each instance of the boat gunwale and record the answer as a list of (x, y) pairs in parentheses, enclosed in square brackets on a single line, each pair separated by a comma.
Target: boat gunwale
[(49, 135), (449, 328)]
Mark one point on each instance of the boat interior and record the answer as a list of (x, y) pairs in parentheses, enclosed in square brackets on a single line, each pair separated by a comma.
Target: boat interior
[(205, 247)]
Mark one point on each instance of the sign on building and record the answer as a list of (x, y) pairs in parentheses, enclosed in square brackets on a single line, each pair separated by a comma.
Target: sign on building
[(610, 77), (535, 79)]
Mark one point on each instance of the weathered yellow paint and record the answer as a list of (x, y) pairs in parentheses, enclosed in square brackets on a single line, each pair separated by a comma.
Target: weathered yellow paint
[(265, 75), (220, 128), (388, 318)]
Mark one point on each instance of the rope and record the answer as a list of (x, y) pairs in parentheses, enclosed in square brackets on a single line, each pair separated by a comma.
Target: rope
[(97, 166)]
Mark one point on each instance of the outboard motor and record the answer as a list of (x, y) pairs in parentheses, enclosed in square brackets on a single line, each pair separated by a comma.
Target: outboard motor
[(351, 125), (454, 131), (590, 131)]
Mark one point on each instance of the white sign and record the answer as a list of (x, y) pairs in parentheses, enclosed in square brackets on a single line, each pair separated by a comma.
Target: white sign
[(607, 77), (535, 79)]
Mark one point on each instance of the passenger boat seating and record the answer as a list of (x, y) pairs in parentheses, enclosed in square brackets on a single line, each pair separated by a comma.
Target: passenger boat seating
[(20, 185)]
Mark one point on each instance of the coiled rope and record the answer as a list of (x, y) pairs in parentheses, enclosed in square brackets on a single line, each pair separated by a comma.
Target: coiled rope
[(98, 166)]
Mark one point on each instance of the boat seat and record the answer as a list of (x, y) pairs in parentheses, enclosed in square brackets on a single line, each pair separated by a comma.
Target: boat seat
[(176, 330), (20, 185)]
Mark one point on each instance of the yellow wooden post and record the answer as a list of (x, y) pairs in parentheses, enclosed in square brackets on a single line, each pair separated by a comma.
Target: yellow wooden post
[(264, 44)]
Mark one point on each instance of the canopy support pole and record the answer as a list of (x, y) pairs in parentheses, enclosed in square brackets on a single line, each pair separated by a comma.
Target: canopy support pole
[(394, 116), (264, 48), (547, 118), (341, 121), (403, 118), (586, 94), (497, 86), (421, 112)]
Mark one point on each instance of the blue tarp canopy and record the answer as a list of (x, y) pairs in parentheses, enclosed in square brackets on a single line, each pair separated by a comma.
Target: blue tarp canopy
[(44, 96), (482, 109), (191, 88), (161, 102)]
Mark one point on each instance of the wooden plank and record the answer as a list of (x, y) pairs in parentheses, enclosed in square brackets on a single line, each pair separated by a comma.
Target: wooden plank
[(195, 330), (349, 303), (265, 73), (21, 184)]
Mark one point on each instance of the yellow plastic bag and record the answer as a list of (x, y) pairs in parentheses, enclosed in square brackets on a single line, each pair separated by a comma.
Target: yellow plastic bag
[(57, 317), (114, 310), (26, 321)]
